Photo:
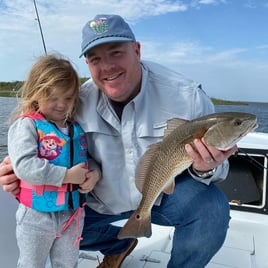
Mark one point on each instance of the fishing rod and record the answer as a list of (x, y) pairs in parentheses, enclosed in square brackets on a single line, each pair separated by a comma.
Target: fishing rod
[(40, 28), (251, 159)]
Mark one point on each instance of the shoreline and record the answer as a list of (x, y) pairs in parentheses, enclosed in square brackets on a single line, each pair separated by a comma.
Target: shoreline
[(13, 94)]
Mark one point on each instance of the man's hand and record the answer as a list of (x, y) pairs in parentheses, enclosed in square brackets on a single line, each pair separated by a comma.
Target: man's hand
[(8, 179), (206, 157)]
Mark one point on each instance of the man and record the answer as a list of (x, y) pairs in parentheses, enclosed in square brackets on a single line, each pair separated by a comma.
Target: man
[(124, 109)]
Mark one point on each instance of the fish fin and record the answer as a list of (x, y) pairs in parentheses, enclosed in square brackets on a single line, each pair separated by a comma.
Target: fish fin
[(136, 226), (170, 188), (172, 124), (213, 136), (143, 165)]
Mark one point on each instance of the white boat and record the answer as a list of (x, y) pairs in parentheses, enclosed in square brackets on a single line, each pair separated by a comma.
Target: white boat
[(246, 243)]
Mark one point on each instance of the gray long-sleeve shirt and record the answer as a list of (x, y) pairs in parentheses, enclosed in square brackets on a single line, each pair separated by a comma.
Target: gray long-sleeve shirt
[(118, 144)]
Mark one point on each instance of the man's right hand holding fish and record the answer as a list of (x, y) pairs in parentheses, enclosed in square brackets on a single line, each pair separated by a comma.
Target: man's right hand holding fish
[(205, 157)]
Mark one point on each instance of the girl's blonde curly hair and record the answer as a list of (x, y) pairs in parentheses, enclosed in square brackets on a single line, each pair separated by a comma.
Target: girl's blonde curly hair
[(49, 72)]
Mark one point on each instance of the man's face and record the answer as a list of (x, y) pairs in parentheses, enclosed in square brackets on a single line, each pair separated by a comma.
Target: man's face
[(115, 68)]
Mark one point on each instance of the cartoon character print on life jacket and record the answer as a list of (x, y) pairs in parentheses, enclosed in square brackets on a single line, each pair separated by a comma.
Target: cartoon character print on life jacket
[(50, 145)]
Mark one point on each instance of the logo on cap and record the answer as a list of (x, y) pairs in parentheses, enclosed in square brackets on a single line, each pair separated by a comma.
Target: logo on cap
[(99, 26)]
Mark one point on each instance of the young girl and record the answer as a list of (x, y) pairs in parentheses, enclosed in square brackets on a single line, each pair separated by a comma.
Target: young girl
[(48, 151)]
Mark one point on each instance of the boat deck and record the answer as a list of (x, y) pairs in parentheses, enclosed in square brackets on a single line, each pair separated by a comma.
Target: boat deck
[(247, 238), (244, 247)]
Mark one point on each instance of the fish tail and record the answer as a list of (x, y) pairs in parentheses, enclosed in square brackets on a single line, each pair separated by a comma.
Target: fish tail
[(136, 226)]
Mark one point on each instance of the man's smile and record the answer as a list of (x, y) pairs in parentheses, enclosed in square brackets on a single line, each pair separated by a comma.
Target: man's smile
[(113, 77)]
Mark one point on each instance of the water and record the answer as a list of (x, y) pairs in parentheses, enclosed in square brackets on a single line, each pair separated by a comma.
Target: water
[(259, 109), (6, 106), (8, 205), (8, 249)]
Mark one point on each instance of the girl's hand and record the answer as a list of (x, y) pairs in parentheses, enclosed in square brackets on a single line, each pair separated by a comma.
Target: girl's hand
[(92, 177), (76, 174)]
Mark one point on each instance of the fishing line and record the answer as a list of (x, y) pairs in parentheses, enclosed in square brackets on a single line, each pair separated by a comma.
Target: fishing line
[(251, 159)]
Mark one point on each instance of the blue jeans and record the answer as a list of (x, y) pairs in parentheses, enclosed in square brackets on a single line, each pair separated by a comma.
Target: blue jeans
[(199, 213)]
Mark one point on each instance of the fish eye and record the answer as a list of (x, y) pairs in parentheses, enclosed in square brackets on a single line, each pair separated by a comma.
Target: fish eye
[(237, 122)]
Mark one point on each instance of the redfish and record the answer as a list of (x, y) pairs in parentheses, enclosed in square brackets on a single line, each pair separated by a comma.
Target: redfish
[(164, 160)]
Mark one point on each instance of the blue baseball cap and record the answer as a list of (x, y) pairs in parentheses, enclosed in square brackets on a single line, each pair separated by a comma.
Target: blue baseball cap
[(105, 29)]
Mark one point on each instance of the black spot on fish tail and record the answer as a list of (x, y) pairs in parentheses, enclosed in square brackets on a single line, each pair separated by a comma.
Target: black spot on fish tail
[(136, 226)]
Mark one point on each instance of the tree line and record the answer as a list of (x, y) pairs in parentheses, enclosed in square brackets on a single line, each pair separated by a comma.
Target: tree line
[(10, 89)]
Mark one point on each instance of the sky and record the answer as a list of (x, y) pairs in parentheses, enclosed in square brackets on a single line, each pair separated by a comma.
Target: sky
[(222, 44)]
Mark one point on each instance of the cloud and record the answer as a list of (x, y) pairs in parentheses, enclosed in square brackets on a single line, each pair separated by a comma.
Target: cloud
[(129, 9), (190, 52), (223, 74), (219, 68), (198, 3), (207, 2), (264, 46), (61, 21)]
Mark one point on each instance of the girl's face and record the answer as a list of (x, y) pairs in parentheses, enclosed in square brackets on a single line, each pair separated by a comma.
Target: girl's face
[(58, 105)]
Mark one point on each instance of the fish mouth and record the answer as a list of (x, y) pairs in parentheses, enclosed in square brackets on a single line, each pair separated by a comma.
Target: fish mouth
[(251, 128), (256, 125)]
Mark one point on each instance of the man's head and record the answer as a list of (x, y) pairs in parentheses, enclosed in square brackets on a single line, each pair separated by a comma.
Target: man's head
[(105, 29), (113, 57)]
